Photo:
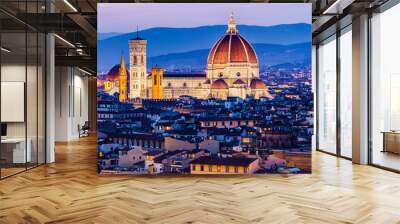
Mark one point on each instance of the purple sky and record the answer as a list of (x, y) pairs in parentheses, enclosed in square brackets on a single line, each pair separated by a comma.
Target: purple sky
[(124, 17)]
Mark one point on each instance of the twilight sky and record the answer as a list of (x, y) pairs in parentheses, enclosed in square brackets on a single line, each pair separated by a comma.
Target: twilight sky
[(124, 17)]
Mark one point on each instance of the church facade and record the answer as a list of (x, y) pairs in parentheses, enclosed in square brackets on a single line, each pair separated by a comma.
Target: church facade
[(232, 70)]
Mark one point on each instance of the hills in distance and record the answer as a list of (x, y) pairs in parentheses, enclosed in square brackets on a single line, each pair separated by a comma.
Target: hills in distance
[(188, 48)]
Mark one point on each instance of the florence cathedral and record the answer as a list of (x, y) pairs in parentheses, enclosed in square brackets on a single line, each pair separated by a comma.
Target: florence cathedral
[(232, 71)]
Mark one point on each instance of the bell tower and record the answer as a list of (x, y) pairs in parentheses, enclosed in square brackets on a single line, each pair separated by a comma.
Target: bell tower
[(137, 65), (157, 83)]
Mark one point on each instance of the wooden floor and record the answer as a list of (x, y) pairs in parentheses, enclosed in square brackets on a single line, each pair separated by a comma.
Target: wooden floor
[(70, 191), (386, 159)]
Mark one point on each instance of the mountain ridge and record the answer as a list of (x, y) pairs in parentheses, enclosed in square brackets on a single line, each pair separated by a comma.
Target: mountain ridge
[(268, 55), (181, 40)]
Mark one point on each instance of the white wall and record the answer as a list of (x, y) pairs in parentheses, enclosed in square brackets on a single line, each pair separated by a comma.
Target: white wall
[(33, 126), (71, 102), (14, 73)]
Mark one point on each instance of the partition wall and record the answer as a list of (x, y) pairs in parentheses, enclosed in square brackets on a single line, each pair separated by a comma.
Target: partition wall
[(22, 77)]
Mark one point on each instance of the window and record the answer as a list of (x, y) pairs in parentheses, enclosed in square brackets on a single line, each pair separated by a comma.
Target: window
[(236, 169), (245, 169), (238, 74), (226, 169), (134, 158), (184, 84), (221, 74), (135, 60), (327, 95), (202, 168), (194, 167), (169, 84), (199, 84), (142, 59), (155, 80), (346, 93), (385, 88), (209, 168)]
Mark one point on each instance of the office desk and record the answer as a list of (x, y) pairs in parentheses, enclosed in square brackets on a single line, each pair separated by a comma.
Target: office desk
[(391, 141), (13, 150)]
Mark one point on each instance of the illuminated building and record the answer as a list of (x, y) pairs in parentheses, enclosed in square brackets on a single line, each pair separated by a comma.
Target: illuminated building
[(112, 79), (123, 81), (233, 67), (137, 65), (157, 83), (232, 70), (230, 165)]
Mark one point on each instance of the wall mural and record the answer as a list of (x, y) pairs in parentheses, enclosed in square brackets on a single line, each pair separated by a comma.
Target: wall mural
[(204, 88)]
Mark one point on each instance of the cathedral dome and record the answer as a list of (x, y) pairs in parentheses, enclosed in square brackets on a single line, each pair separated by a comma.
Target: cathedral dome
[(232, 48), (219, 84), (113, 74), (257, 84)]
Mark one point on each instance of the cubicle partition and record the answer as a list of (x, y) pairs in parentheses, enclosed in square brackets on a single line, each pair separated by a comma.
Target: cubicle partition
[(22, 77)]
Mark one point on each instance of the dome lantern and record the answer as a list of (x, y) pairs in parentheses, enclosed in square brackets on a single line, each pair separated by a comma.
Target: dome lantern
[(232, 25)]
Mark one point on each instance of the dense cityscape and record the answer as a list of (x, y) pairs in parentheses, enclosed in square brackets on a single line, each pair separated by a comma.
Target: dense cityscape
[(189, 135), (236, 116)]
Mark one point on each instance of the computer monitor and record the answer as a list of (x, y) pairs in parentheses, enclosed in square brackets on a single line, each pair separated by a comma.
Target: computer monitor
[(3, 130)]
